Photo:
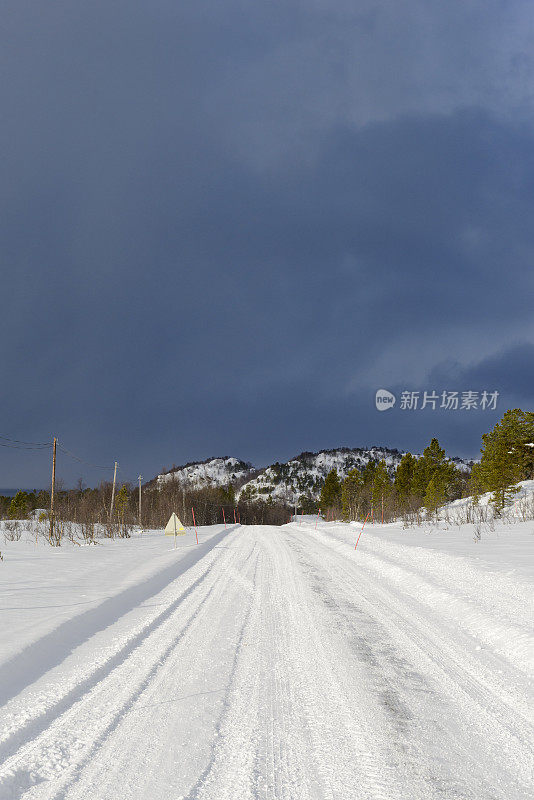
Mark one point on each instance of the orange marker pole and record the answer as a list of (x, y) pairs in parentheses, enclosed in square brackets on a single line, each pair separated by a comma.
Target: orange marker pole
[(317, 520), (363, 526), (235, 520), (224, 518), (195, 524)]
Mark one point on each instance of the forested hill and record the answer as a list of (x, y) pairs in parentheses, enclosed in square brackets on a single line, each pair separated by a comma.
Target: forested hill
[(286, 481)]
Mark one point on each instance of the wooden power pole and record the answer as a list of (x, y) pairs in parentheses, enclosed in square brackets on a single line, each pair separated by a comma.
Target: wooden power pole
[(52, 491), (113, 491)]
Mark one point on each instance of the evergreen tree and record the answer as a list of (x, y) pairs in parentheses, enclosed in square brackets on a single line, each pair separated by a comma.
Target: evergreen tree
[(475, 485), (368, 472), (432, 463), (436, 493), (331, 491), (227, 495), (307, 504), (18, 508), (351, 494), (506, 456), (404, 476), (500, 472), (381, 485)]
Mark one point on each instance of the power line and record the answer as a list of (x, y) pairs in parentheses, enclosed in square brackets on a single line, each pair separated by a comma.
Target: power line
[(20, 444), (26, 447), (82, 460), (20, 441)]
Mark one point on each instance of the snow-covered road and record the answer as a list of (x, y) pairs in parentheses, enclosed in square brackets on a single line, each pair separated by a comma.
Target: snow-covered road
[(282, 663)]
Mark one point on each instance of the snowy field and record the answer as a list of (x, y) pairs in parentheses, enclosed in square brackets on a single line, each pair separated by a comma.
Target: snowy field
[(271, 663)]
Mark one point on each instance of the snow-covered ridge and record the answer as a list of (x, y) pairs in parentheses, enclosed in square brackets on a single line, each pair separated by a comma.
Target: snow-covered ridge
[(305, 474), (213, 472), (288, 481)]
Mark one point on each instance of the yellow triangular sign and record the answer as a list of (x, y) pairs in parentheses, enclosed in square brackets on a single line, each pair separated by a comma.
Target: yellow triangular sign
[(174, 526)]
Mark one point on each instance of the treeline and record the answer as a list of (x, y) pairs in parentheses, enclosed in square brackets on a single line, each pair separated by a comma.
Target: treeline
[(208, 504), (23, 504), (86, 513), (384, 494), (427, 482)]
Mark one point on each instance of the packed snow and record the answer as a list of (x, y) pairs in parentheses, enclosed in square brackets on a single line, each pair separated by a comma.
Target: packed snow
[(271, 663)]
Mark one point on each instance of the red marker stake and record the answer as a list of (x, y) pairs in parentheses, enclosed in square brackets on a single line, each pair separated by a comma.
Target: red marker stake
[(234, 517), (224, 518), (317, 520), (363, 526), (195, 524)]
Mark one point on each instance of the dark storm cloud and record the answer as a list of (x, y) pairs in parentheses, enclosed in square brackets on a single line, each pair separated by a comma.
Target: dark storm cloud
[(223, 227), (508, 371)]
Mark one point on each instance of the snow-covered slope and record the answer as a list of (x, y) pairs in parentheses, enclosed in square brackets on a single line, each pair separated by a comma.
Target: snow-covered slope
[(214, 472), (517, 505), (302, 475), (305, 474)]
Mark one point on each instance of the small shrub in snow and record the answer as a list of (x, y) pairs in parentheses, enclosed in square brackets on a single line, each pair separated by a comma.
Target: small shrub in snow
[(12, 530)]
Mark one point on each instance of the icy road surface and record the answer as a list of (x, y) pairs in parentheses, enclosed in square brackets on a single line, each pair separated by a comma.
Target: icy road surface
[(281, 663)]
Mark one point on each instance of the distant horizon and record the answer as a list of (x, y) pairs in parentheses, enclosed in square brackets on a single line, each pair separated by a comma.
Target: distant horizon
[(12, 492)]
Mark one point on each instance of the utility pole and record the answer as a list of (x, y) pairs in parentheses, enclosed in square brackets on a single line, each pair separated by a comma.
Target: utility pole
[(140, 523), (52, 490), (113, 491)]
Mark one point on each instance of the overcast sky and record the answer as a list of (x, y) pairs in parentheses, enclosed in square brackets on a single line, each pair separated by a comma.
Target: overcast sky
[(225, 225)]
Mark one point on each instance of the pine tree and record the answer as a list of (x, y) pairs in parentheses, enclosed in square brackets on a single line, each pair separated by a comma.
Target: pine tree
[(436, 493), (368, 472), (433, 462), (227, 495), (506, 457), (404, 477), (501, 461), (381, 485), (331, 491), (351, 494), (18, 508), (476, 484)]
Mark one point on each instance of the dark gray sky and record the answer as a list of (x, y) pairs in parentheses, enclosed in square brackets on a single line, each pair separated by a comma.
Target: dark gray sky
[(224, 225)]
